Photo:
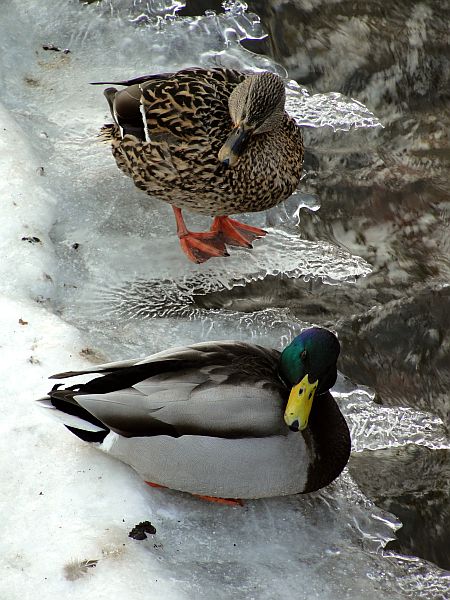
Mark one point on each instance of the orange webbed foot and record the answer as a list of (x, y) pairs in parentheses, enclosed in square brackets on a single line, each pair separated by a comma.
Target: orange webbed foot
[(236, 233), (200, 247)]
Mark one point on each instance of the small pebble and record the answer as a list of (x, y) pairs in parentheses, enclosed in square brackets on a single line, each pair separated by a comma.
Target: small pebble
[(32, 239), (51, 47), (139, 531)]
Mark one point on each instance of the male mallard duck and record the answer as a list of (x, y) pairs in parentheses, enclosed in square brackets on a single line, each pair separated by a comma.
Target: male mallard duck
[(222, 419), (216, 141)]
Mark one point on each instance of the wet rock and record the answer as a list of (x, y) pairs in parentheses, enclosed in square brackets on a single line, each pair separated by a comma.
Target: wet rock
[(413, 483), (51, 47), (32, 239), (402, 350), (140, 530)]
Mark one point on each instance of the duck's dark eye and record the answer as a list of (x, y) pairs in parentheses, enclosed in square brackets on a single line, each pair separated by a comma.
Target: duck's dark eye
[(303, 355)]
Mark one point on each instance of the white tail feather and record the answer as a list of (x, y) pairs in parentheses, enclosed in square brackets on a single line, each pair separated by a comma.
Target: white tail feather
[(70, 420)]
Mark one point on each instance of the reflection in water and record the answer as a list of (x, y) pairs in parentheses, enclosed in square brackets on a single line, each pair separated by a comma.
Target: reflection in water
[(384, 196), (412, 482)]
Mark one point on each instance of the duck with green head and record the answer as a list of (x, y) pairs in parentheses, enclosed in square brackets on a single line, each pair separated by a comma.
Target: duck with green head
[(220, 419)]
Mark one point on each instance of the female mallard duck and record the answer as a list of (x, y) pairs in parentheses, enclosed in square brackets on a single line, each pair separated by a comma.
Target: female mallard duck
[(221, 419), (216, 141)]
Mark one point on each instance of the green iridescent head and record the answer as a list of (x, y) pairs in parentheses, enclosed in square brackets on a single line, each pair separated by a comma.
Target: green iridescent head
[(308, 366)]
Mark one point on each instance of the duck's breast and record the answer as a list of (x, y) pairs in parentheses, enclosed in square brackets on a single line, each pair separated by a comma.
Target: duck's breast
[(227, 468)]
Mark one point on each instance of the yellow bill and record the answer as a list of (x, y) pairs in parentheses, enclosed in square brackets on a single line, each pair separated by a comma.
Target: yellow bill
[(299, 404)]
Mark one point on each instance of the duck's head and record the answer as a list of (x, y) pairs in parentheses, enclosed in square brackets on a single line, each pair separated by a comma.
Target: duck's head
[(256, 106), (308, 366)]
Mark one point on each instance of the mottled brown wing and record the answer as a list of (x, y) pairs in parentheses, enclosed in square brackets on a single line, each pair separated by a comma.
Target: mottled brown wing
[(186, 116), (190, 106)]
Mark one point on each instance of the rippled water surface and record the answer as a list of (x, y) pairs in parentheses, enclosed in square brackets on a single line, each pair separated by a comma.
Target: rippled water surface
[(383, 196), (362, 248)]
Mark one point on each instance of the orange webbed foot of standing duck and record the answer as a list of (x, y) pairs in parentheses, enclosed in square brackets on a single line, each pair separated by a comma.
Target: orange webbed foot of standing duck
[(236, 233), (199, 246)]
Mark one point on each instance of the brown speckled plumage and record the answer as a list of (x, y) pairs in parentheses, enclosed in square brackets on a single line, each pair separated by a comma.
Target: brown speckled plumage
[(187, 121)]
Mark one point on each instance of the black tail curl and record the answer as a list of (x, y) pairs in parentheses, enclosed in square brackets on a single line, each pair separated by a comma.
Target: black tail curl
[(64, 401)]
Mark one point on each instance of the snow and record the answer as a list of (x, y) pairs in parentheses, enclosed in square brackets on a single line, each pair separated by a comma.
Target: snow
[(62, 306)]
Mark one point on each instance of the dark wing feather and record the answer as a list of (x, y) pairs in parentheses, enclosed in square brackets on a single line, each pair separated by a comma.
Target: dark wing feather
[(226, 389), (218, 74), (192, 105), (166, 123), (134, 80), (188, 105)]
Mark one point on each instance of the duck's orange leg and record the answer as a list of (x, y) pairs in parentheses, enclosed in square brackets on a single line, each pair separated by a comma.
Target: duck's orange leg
[(156, 485), (227, 501), (198, 247), (236, 233)]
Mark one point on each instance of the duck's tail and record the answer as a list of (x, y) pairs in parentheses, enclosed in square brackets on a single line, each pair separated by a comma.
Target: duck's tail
[(108, 132), (62, 406)]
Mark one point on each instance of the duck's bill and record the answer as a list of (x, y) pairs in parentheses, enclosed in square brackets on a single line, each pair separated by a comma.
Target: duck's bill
[(234, 146), (299, 404)]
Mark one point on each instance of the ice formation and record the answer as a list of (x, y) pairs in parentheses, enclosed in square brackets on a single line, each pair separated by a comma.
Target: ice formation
[(78, 271)]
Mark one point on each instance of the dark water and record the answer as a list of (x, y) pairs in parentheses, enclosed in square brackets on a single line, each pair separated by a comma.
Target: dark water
[(384, 196)]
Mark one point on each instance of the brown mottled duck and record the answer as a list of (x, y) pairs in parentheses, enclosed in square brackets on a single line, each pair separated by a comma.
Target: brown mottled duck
[(216, 141)]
